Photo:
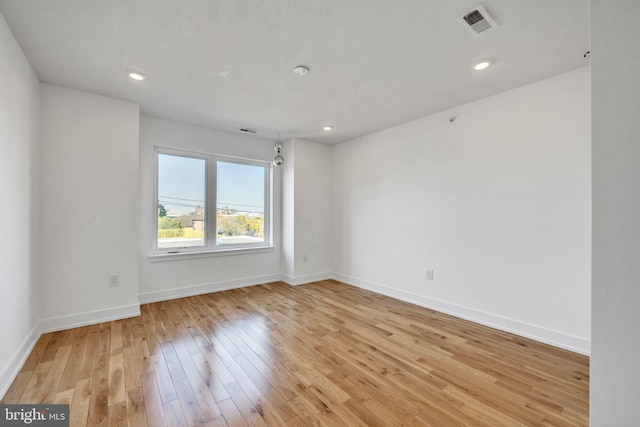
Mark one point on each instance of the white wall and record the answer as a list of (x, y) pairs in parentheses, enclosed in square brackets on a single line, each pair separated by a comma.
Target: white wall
[(89, 207), (306, 212), (312, 210), (288, 210), (497, 203), (19, 124), (615, 372), (171, 279)]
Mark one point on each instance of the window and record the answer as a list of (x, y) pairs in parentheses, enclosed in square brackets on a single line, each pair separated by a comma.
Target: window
[(208, 202)]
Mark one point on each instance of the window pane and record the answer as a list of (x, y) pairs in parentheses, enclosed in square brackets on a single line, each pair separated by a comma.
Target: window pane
[(240, 206), (181, 201)]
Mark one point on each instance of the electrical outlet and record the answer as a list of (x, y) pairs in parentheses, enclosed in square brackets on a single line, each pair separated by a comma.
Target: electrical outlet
[(305, 258), (114, 280), (429, 274)]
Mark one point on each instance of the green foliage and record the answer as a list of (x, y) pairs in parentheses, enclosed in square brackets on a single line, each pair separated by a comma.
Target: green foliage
[(240, 225), (169, 227), (166, 223), (162, 212)]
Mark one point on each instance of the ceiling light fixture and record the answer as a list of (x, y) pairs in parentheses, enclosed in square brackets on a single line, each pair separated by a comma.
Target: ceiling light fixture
[(327, 128), (482, 65), (301, 70), (135, 75)]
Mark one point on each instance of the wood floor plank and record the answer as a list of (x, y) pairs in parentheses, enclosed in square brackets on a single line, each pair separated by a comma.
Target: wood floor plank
[(17, 388), (260, 389), (135, 405), (250, 412), (79, 410), (206, 402), (88, 356), (152, 401), (36, 354), (323, 354), (231, 414), (117, 393), (52, 346), (64, 397), (163, 378), (99, 404), (49, 387), (174, 413), (305, 414), (130, 365), (213, 381), (143, 356), (118, 415), (190, 407), (217, 422), (127, 333), (36, 382), (72, 368)]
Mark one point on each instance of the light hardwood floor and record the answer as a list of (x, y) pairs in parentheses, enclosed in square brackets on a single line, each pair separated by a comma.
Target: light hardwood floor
[(319, 354)]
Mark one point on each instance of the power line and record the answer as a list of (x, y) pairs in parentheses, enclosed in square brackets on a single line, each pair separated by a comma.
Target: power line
[(202, 201), (184, 205), (237, 204), (178, 198)]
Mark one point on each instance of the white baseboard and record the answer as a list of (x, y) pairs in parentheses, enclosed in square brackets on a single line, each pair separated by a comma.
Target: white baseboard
[(206, 288), (534, 332), (88, 318), (10, 372), (303, 280)]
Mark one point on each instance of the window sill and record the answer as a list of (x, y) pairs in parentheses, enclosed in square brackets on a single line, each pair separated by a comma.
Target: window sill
[(176, 256)]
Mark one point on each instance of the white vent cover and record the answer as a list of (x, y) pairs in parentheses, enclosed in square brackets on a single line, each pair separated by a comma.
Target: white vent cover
[(477, 20)]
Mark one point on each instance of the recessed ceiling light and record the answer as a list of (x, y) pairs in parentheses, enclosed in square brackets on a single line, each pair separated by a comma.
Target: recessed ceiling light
[(135, 75), (301, 70), (482, 65), (327, 128)]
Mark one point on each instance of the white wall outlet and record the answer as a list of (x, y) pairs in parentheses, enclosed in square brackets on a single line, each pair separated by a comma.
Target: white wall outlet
[(114, 280), (305, 258), (429, 274)]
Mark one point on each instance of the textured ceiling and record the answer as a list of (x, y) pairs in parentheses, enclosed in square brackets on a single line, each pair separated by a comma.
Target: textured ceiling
[(228, 63)]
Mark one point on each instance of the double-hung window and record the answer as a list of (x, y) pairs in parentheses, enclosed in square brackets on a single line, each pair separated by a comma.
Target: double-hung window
[(208, 202)]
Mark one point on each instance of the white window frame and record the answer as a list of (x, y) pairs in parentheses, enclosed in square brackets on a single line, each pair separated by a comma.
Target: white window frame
[(211, 247)]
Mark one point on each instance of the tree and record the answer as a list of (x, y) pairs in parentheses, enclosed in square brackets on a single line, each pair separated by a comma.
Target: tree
[(162, 212), (240, 225), (166, 223), (229, 225), (255, 226)]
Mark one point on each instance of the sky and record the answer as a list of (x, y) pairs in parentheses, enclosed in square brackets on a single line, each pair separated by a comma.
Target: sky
[(182, 184)]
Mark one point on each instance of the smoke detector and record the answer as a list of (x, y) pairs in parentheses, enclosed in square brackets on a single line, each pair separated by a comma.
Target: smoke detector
[(301, 70), (477, 21)]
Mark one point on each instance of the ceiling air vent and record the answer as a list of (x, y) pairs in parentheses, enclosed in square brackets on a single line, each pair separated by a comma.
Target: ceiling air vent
[(477, 21)]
